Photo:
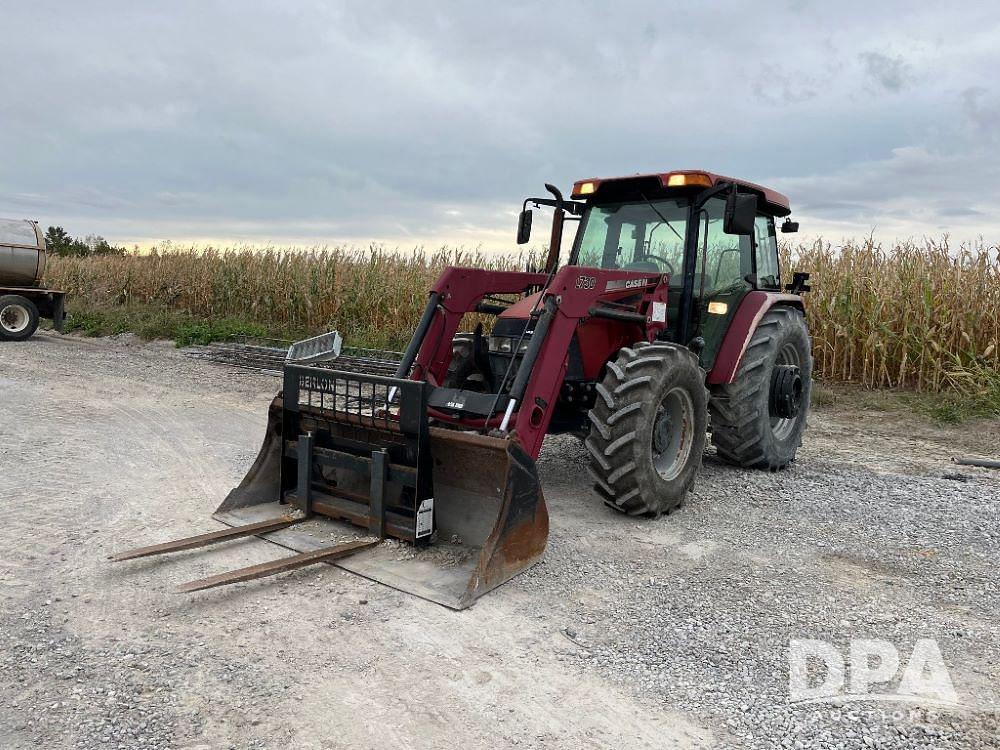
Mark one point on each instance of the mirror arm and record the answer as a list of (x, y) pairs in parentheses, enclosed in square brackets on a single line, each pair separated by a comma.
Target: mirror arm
[(572, 207), (555, 242), (704, 195)]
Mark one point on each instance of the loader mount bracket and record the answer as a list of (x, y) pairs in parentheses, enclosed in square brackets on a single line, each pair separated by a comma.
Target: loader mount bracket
[(355, 448)]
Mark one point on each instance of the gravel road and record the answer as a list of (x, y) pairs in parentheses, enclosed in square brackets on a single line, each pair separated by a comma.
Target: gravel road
[(672, 633)]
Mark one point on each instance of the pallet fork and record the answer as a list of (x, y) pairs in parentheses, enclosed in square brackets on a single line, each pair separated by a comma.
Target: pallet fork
[(357, 448)]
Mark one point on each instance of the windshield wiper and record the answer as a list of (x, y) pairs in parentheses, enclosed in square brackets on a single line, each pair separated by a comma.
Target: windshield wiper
[(663, 218)]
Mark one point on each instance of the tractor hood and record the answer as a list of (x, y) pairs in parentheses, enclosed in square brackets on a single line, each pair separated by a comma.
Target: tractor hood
[(521, 310)]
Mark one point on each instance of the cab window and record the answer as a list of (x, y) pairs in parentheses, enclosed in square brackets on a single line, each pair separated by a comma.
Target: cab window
[(724, 259), (635, 236), (768, 275)]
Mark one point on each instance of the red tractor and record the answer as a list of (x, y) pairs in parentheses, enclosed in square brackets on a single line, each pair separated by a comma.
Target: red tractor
[(668, 317)]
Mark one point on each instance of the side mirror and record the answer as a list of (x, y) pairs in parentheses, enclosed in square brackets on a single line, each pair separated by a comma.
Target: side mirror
[(789, 226), (524, 227), (741, 211)]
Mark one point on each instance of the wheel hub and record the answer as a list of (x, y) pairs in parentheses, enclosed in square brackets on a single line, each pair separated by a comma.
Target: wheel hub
[(672, 433), (14, 318), (786, 392), (661, 433)]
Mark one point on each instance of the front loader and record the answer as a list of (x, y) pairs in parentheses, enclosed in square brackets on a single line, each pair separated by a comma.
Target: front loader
[(667, 313)]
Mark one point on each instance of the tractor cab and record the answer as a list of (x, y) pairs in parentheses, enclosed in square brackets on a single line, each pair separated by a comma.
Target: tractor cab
[(713, 235)]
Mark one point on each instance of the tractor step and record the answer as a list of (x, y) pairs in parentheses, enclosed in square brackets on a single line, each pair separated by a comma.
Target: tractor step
[(282, 565), (212, 537)]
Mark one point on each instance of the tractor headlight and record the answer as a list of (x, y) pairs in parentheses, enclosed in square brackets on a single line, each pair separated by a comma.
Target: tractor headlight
[(501, 344), (506, 344)]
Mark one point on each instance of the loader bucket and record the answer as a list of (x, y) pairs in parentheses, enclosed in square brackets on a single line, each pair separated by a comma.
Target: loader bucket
[(372, 471)]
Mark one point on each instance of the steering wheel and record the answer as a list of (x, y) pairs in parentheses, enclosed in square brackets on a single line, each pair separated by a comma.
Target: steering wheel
[(664, 261)]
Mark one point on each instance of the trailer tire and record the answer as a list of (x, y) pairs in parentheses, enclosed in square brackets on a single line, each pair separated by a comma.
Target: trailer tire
[(18, 318), (759, 418), (647, 431)]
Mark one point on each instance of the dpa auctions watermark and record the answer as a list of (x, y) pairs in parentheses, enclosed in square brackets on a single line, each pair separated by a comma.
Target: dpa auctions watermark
[(870, 670)]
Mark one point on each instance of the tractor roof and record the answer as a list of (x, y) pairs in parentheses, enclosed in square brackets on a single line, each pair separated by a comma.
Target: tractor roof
[(775, 202)]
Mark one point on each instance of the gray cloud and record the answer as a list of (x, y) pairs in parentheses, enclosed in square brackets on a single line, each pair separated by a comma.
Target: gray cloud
[(889, 73), (982, 110), (777, 86), (411, 123), (913, 191), (948, 211)]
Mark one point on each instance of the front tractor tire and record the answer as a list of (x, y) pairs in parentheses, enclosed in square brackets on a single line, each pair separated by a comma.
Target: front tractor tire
[(647, 429), (759, 418)]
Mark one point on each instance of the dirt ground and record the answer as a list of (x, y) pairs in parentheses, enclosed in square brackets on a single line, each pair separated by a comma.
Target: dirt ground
[(630, 634)]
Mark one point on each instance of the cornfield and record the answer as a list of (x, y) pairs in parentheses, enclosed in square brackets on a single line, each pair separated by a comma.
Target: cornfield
[(372, 297), (917, 315), (924, 316)]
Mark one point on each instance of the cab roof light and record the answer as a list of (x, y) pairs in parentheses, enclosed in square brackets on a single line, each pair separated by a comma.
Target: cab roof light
[(584, 187), (689, 179)]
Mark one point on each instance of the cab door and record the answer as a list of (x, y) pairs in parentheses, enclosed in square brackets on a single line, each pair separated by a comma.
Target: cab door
[(766, 253), (724, 263)]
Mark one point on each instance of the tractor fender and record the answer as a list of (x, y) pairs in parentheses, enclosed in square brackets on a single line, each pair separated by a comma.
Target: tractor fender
[(741, 328)]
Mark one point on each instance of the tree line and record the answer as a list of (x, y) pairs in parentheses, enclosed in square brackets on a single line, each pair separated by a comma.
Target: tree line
[(59, 242)]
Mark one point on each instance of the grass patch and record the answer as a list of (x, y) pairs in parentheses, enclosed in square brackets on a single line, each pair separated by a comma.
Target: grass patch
[(948, 408), (844, 396), (974, 392), (157, 322), (101, 322), (941, 409), (189, 334)]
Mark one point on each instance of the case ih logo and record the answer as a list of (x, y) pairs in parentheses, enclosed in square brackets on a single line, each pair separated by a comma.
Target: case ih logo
[(626, 284)]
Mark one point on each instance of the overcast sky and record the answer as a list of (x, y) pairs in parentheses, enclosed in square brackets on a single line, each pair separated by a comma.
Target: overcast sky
[(414, 122)]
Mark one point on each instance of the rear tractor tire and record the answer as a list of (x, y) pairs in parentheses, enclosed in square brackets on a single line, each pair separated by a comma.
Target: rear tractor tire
[(18, 318), (759, 418), (647, 431)]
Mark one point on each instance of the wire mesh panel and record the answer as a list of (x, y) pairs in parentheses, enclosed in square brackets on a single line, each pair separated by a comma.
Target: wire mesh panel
[(367, 402), (364, 400)]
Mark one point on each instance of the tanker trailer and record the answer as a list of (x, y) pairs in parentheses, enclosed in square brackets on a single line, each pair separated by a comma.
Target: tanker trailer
[(23, 301)]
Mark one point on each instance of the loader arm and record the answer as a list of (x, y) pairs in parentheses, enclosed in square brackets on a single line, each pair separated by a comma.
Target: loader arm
[(459, 291), (525, 402)]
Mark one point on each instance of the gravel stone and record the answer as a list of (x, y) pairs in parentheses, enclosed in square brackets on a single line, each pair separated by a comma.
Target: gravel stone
[(629, 634)]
